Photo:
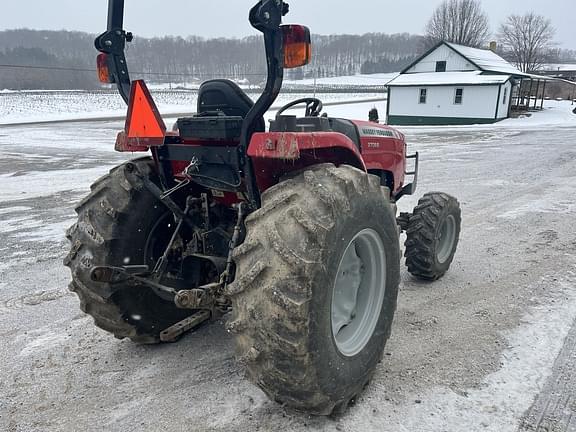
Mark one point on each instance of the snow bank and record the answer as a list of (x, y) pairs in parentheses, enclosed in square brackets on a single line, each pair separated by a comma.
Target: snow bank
[(554, 114)]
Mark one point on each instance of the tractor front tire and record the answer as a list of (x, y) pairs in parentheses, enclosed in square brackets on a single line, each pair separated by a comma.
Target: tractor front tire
[(119, 223), (432, 236), (316, 288)]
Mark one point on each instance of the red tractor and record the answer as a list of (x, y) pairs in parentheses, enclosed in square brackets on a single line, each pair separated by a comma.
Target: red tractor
[(291, 232)]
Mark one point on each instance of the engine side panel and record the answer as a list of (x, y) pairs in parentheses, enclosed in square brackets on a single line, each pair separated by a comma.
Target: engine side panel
[(383, 149)]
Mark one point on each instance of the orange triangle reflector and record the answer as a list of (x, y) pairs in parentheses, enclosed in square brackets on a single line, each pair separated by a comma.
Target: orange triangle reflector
[(144, 125)]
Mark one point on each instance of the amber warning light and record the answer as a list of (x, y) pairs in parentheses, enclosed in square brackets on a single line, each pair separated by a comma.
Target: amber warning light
[(297, 46), (102, 66)]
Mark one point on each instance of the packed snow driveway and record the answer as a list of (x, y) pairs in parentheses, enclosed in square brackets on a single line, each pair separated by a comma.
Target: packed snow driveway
[(481, 350)]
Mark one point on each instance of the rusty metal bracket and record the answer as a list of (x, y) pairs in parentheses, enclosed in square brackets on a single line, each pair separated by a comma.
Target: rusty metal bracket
[(199, 298), (173, 332)]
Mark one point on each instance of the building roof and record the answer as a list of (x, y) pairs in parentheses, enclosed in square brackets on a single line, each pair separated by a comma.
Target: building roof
[(485, 60), (447, 78)]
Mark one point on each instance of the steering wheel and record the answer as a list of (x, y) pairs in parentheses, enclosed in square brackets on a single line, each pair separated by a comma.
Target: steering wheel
[(313, 106)]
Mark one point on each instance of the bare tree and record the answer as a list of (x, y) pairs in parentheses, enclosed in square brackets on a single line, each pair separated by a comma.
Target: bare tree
[(528, 39), (459, 21)]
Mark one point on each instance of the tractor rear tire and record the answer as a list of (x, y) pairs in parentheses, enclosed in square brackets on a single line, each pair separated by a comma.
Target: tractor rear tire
[(432, 236), (120, 222), (313, 231)]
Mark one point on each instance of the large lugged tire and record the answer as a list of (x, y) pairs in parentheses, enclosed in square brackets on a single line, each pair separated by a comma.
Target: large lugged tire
[(316, 287), (121, 223), (432, 236)]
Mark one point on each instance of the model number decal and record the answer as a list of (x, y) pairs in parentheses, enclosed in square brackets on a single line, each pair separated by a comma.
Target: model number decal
[(373, 145)]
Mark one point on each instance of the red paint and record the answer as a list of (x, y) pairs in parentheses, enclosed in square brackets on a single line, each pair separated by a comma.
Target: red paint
[(276, 154), (384, 149), (273, 154)]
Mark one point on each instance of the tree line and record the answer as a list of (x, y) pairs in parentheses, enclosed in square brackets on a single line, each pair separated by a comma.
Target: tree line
[(525, 40), (31, 59)]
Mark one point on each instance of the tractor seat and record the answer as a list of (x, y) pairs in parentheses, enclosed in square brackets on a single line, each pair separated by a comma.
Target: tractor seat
[(225, 96)]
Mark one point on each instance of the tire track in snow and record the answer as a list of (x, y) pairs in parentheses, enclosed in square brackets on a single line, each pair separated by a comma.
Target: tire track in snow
[(555, 407), (32, 299)]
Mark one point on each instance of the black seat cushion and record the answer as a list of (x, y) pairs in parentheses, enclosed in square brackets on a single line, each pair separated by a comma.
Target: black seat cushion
[(227, 97)]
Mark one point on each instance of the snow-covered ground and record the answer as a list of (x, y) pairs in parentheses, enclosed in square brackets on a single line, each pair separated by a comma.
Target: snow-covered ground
[(39, 106), (46, 106), (380, 79), (468, 353), (560, 67)]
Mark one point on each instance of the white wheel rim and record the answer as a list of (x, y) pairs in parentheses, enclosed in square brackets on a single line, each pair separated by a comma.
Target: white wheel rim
[(446, 238), (358, 292)]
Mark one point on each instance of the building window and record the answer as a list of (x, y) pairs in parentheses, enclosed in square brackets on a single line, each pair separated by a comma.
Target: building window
[(459, 96), (505, 98), (423, 95), (440, 66)]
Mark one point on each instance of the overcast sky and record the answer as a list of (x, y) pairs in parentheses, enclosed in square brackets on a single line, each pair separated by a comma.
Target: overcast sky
[(229, 17)]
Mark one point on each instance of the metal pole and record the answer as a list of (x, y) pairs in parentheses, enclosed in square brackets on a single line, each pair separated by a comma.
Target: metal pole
[(115, 14), (543, 95), (530, 93), (536, 97)]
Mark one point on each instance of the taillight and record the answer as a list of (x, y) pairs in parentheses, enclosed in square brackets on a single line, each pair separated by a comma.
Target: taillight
[(103, 71)]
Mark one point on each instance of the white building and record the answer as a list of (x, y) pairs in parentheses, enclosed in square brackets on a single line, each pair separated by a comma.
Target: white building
[(453, 84)]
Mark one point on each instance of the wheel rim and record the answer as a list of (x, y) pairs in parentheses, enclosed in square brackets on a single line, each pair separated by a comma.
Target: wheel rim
[(358, 293), (446, 238), (158, 239)]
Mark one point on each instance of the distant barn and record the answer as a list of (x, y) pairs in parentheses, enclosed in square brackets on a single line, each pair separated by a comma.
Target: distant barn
[(454, 84)]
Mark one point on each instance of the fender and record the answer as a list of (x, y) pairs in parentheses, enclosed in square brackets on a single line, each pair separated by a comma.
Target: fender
[(276, 154)]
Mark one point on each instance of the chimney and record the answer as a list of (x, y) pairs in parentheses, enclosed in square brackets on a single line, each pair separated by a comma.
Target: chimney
[(493, 46)]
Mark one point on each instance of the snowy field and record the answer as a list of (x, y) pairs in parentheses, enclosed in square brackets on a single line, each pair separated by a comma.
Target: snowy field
[(490, 347), (379, 79), (27, 107)]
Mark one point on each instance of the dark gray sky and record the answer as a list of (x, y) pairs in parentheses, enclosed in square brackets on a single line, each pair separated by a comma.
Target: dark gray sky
[(229, 17)]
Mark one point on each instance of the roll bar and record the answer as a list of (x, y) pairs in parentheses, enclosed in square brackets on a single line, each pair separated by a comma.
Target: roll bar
[(265, 16), (113, 42)]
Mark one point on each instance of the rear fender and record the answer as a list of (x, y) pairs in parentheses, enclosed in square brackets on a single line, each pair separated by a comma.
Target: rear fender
[(276, 154)]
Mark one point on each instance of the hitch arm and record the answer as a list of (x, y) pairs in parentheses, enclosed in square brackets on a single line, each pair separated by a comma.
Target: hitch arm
[(120, 276)]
